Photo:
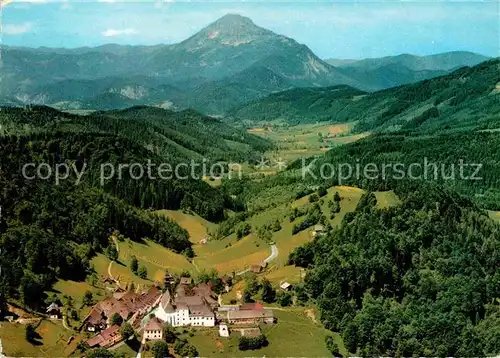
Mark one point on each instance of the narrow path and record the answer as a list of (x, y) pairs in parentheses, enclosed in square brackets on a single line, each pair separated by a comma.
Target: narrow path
[(115, 241), (65, 323), (195, 266), (109, 270)]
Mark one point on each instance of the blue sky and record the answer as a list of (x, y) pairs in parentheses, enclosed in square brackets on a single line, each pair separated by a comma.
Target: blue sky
[(340, 29)]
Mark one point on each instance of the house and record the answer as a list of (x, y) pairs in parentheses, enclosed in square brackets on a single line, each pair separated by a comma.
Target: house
[(318, 230), (125, 304), (153, 329), (106, 338), (186, 280), (256, 268), (223, 330), (95, 321), (250, 316), (227, 281), (53, 311), (285, 286)]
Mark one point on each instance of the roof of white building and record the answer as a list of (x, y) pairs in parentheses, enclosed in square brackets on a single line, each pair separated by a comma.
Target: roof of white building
[(154, 324)]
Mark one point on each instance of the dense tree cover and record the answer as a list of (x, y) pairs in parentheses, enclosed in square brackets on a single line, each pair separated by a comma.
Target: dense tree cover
[(160, 349), (417, 279), (332, 346), (116, 319), (172, 135), (313, 216), (185, 349), (99, 353), (50, 231), (127, 331), (434, 158), (268, 291), (299, 104), (463, 99), (252, 343)]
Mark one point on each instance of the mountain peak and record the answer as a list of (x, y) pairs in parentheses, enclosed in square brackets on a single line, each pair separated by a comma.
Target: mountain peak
[(231, 29), (234, 20)]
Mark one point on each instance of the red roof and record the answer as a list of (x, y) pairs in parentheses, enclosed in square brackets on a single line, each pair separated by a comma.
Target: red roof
[(154, 324), (110, 332), (94, 341)]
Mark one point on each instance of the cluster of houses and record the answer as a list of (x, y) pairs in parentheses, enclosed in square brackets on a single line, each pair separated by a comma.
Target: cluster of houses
[(130, 306), (189, 305)]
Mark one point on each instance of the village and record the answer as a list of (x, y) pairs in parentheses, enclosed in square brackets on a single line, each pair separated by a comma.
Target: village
[(180, 304), (209, 311)]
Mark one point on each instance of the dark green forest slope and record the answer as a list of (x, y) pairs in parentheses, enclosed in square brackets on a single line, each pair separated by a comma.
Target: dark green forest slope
[(172, 135), (468, 98), (419, 279), (411, 160), (52, 229)]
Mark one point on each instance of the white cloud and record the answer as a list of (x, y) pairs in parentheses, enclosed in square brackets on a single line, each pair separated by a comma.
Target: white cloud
[(16, 29), (118, 32)]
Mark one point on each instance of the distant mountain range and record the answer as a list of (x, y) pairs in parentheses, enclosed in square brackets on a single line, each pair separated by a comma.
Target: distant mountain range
[(468, 98), (226, 64)]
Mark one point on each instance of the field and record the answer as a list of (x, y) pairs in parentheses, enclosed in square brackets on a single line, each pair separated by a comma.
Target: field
[(295, 335), (386, 199), (494, 215), (53, 341), (305, 140), (197, 227), (230, 255)]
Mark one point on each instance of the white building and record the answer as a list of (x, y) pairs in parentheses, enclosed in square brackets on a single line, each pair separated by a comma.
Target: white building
[(153, 329), (223, 330), (188, 311)]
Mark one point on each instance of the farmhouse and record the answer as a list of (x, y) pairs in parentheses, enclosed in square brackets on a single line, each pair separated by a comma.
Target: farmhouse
[(106, 338), (250, 316), (54, 311), (256, 268), (285, 286)]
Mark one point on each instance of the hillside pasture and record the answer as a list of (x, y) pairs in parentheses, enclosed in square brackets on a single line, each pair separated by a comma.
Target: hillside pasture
[(52, 342), (294, 335)]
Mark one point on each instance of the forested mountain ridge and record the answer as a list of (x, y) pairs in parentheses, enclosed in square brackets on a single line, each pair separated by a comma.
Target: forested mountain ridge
[(393, 71), (51, 230), (446, 61), (229, 62), (172, 135), (467, 98), (435, 159), (416, 279)]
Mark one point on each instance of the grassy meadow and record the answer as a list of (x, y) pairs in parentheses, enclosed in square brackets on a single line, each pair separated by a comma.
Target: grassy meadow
[(52, 341), (297, 334), (305, 140)]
